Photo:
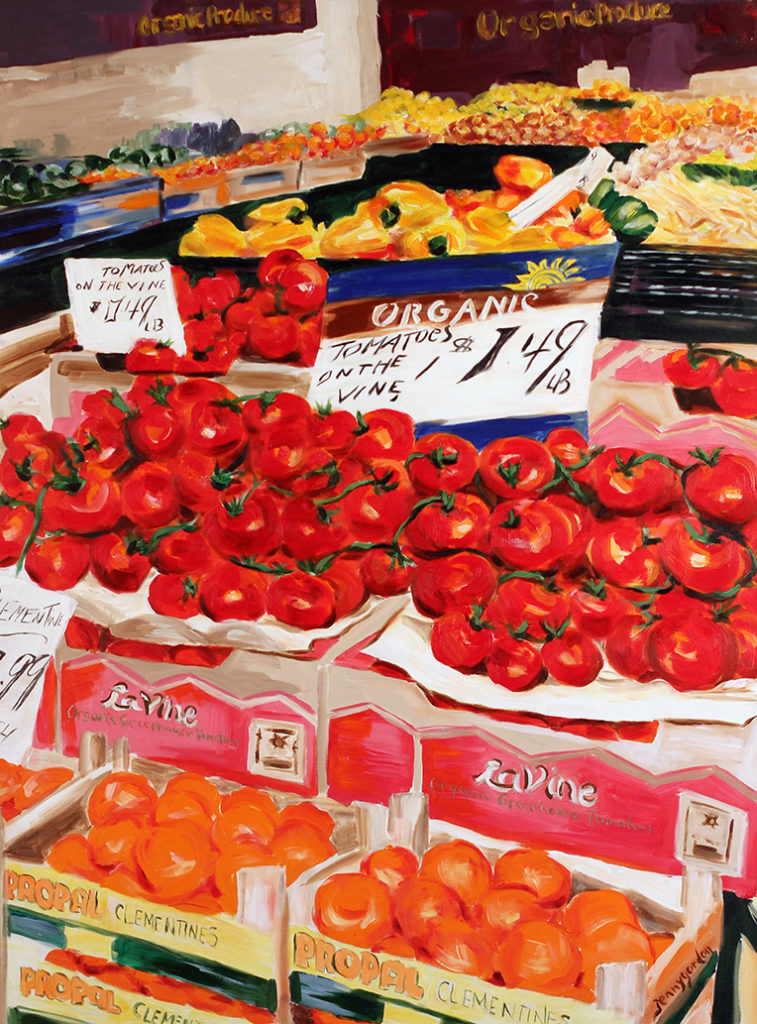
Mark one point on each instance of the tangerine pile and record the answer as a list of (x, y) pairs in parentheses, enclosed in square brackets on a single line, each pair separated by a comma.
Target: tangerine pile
[(157, 986), (21, 787), (511, 923), (185, 846)]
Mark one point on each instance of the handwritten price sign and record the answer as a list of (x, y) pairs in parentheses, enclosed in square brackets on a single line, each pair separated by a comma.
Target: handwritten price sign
[(461, 358), (32, 623), (116, 302)]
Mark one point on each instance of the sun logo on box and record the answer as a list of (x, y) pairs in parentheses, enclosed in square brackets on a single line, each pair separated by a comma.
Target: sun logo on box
[(546, 273)]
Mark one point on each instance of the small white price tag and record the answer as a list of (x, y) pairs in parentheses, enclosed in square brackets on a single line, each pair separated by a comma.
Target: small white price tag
[(462, 357), (115, 302), (32, 623)]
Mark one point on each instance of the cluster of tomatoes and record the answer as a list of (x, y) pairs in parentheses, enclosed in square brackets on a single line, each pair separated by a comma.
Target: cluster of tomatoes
[(278, 319), (185, 846), (244, 505), (513, 922), (159, 987), (723, 380), (540, 559), (22, 787)]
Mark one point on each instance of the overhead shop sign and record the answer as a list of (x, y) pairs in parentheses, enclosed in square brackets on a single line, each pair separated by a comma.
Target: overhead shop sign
[(43, 31)]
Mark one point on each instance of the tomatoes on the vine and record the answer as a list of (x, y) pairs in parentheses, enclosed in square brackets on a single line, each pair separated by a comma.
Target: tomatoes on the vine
[(16, 524), (86, 500), (384, 434), (529, 598), (516, 467), (230, 591), (692, 653), (630, 482), (174, 595), (461, 639), (448, 523), (442, 462), (571, 657), (58, 562), (299, 599), (623, 553), (529, 534), (387, 572), (722, 487), (245, 524), (149, 496), (688, 368), (627, 647), (118, 563), (515, 663), (703, 560), (735, 387), (444, 584)]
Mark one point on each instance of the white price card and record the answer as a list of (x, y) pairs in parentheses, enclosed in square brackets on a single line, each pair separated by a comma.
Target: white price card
[(461, 357), (32, 623), (116, 302)]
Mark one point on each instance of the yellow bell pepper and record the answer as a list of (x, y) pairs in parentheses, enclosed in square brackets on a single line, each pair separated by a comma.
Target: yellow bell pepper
[(412, 204), (263, 237), (361, 235), (213, 235), (439, 238), (275, 212)]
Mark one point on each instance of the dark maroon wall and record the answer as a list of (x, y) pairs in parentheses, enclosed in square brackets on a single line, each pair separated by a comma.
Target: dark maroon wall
[(459, 48)]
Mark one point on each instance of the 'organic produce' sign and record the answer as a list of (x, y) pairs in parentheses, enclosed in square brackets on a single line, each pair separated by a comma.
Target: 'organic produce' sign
[(116, 302), (32, 622), (42, 31), (471, 356)]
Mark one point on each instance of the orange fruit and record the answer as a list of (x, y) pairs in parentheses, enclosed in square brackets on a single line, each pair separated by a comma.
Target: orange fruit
[(536, 871), (298, 846), (179, 805), (40, 784), (198, 787), (613, 943), (313, 815), (122, 795), (253, 798), (538, 955), (11, 777), (502, 909), (242, 823), (659, 942), (112, 845), (461, 866), (175, 859), (72, 855), (594, 908), (353, 908), (458, 946), (128, 883), (228, 863), (421, 904), (392, 865), (394, 945)]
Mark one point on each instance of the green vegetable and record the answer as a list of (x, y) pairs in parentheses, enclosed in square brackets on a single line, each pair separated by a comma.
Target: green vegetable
[(603, 194), (728, 173)]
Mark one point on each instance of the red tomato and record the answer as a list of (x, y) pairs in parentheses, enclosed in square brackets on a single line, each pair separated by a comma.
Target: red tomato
[(743, 625), (567, 445), (376, 509), (444, 584), (103, 443), (273, 409), (244, 525), (453, 523), (100, 406), (186, 396), (272, 337), (627, 648), (596, 608), (622, 553), (282, 454), (148, 495), (386, 572), (334, 431), (215, 293), (308, 340), (183, 551), (538, 602), (147, 355), (273, 265), (200, 480), (384, 434), (216, 428), (629, 482), (187, 302), (57, 563), (304, 287), (20, 426), (231, 592), (442, 462), (461, 639), (174, 595), (572, 658), (301, 600), (723, 487), (529, 534), (310, 530), (692, 653), (118, 564), (318, 474), (156, 431), (686, 368), (26, 466), (514, 663), (735, 388), (345, 579), (15, 526), (516, 467), (87, 501), (703, 561)]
